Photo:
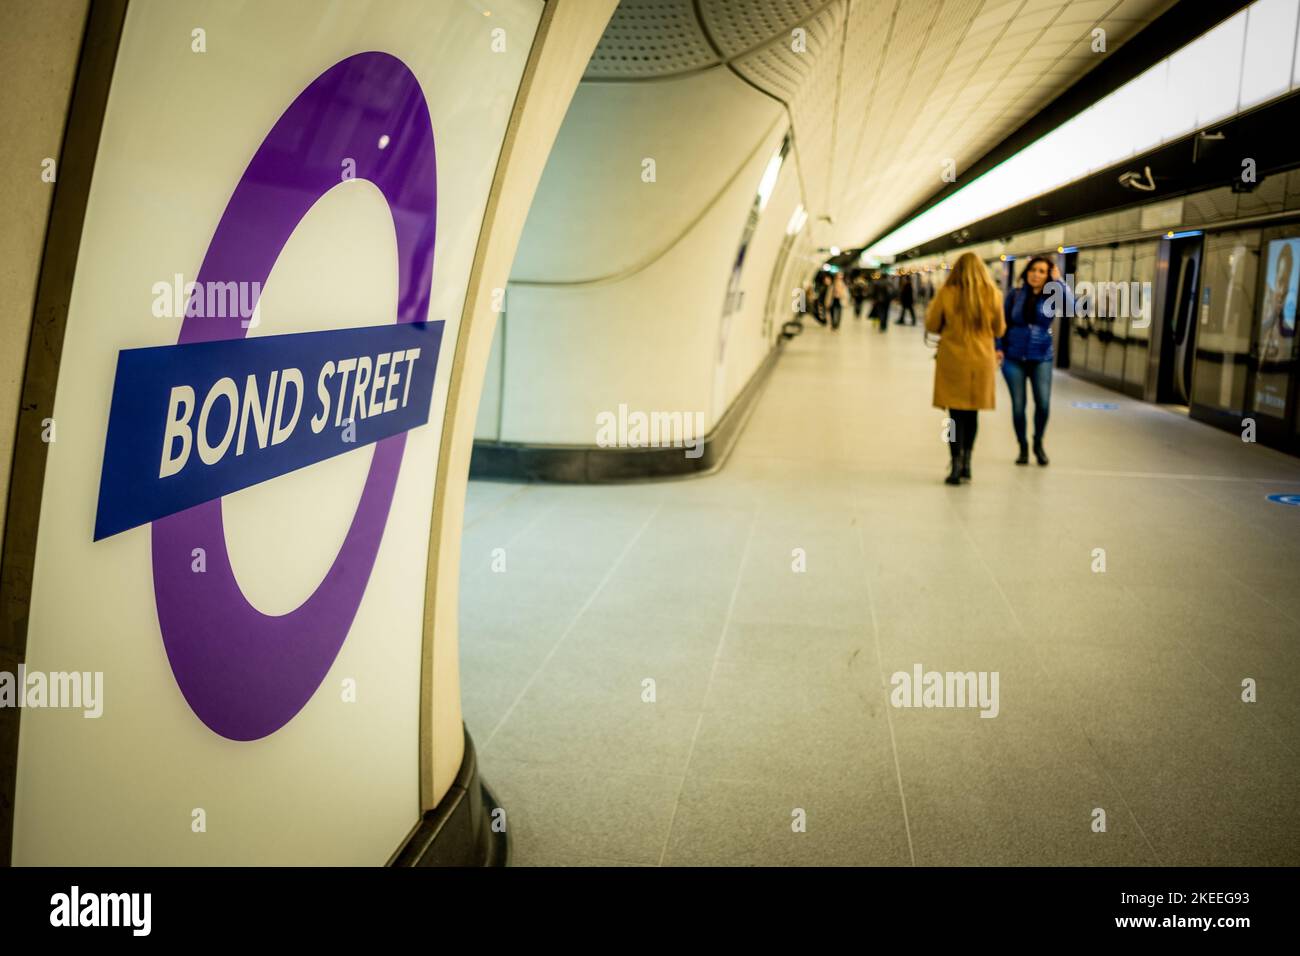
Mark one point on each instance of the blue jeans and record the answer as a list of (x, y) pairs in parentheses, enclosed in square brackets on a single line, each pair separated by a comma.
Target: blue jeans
[(1039, 375)]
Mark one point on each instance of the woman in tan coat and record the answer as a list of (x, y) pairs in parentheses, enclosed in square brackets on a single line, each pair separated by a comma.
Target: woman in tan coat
[(967, 314)]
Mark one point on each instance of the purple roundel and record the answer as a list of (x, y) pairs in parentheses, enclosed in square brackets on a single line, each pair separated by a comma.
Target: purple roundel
[(246, 674)]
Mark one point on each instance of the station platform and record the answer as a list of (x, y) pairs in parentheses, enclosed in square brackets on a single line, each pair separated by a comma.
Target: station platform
[(770, 736)]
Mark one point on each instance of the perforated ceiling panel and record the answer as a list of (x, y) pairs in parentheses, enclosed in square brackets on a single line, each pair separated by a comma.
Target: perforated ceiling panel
[(738, 26), (814, 111), (884, 96), (867, 33), (920, 56), (651, 39)]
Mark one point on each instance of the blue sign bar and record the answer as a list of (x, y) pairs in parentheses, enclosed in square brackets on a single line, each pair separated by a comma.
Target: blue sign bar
[(190, 423)]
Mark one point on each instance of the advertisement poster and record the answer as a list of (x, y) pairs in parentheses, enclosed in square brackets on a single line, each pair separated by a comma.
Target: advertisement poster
[(1277, 319)]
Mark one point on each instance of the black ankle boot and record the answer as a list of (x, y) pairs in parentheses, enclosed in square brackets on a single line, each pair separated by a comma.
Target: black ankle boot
[(1023, 458), (954, 475), (965, 465), (1039, 454)]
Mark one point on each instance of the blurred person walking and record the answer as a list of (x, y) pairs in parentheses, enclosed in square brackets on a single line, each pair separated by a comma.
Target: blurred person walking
[(881, 295), (858, 289), (1026, 351), (966, 316), (821, 297), (839, 292), (906, 296)]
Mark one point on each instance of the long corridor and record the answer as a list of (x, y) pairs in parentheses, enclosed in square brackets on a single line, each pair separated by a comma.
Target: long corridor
[(699, 671)]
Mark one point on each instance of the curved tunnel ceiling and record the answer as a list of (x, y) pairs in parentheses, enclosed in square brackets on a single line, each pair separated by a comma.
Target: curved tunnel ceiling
[(885, 92)]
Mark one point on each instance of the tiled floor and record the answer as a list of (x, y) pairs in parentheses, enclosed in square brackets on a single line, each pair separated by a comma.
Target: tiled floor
[(771, 705)]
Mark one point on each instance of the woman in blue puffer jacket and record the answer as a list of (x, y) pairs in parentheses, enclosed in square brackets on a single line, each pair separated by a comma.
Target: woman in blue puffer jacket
[(1025, 352)]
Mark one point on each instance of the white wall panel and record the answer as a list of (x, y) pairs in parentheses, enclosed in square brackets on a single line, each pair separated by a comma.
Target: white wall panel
[(594, 215), (647, 340)]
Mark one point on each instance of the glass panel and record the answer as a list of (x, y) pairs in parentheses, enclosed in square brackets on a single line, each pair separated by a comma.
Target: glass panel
[(1090, 140), (1083, 324), (1148, 101), (1270, 38), (1276, 322), (1118, 304), (995, 271), (1224, 319), (1100, 343), (1139, 330), (1178, 109), (1216, 59)]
